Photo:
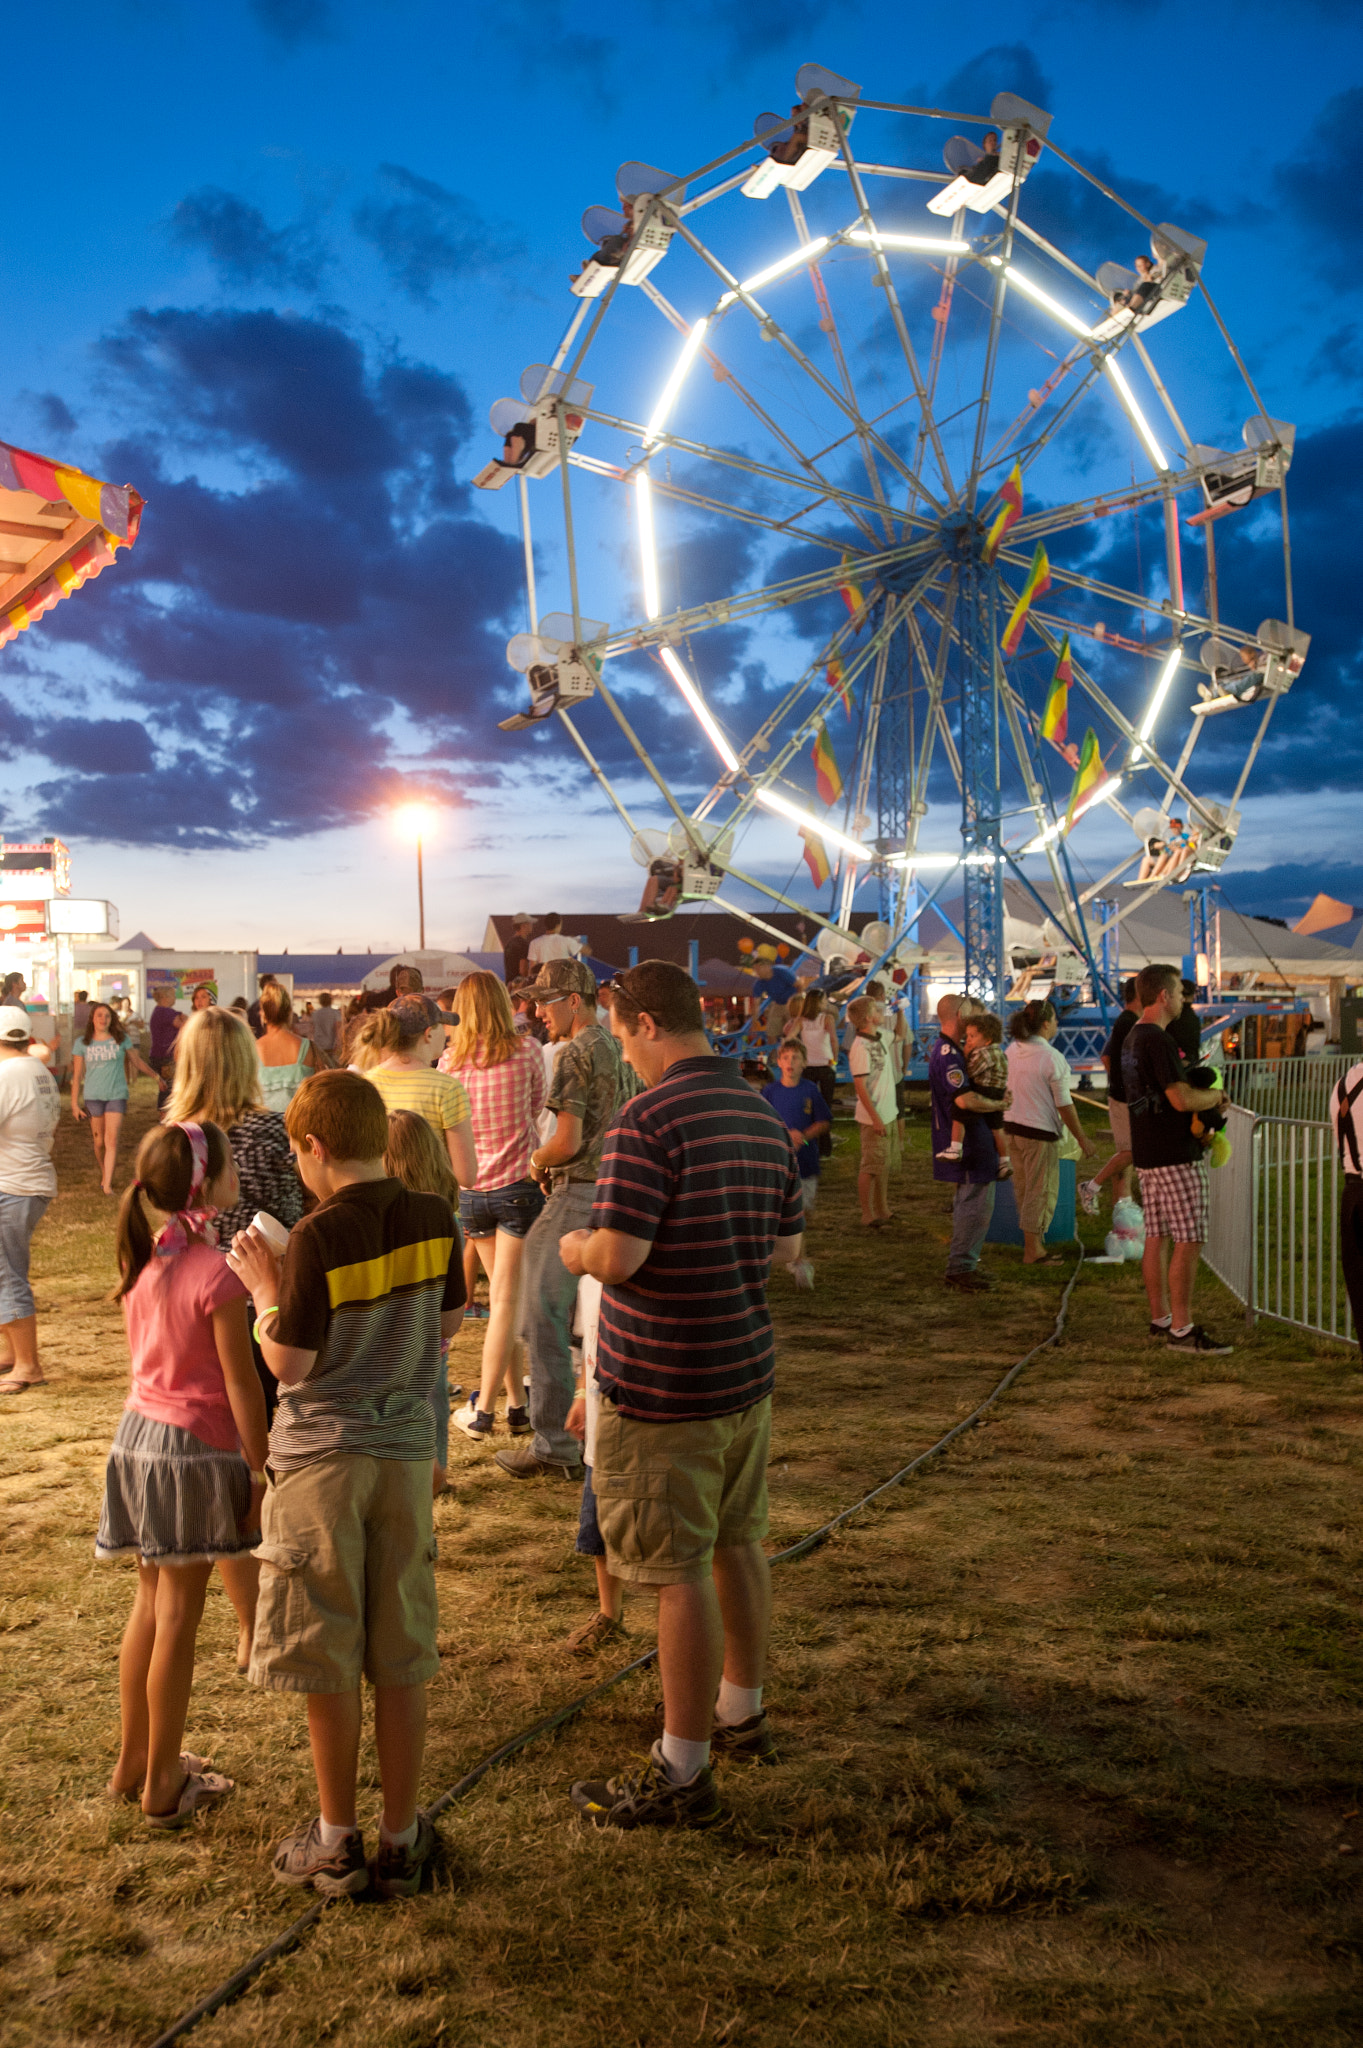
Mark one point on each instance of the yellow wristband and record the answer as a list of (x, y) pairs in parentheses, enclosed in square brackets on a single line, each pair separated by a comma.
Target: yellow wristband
[(255, 1327)]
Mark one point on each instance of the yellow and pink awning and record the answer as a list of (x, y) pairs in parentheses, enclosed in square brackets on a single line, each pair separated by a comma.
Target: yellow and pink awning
[(58, 528)]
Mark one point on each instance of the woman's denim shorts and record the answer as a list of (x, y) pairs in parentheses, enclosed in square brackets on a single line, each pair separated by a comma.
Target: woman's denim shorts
[(512, 1209)]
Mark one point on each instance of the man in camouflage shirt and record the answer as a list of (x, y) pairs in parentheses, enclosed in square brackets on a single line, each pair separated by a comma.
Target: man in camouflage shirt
[(590, 1083)]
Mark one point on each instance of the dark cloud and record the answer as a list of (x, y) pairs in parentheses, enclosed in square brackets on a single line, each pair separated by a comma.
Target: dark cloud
[(54, 414), (269, 637), (1339, 355), (426, 236), (292, 22), (1004, 67), (241, 244), (1319, 187)]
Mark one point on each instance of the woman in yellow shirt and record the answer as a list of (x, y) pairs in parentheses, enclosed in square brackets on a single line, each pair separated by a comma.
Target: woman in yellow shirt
[(408, 1044)]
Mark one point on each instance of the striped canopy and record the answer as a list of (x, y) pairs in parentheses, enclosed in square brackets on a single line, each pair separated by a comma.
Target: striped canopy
[(58, 528)]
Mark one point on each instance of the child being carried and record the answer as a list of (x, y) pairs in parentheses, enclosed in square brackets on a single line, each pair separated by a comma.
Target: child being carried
[(987, 1066)]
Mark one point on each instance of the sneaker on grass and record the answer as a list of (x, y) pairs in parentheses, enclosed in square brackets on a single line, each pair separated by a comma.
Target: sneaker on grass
[(1201, 1341), (595, 1634), (749, 1741), (1159, 1333), (650, 1800), (471, 1419), (397, 1870), (302, 1859)]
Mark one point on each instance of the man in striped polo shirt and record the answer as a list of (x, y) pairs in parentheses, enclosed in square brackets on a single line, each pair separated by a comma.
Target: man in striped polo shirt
[(698, 1192)]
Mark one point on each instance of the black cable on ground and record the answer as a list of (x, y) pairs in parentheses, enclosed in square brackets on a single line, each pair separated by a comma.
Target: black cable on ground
[(233, 1986)]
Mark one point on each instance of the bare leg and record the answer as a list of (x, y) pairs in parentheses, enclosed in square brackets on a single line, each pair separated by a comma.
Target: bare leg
[(400, 1737), (113, 1124), (1182, 1279), (334, 1732), (690, 1658), (610, 1593), (21, 1341), (501, 1256), (241, 1583), (97, 1140), (743, 1584), (180, 1593), (1155, 1272), (134, 1662), (882, 1191), (1033, 1247)]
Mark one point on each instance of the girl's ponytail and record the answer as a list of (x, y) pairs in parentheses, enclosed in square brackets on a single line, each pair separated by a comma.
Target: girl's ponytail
[(133, 1241), (167, 1177)]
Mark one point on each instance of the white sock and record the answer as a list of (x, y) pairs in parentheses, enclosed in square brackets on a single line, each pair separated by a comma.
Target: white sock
[(682, 1759), (1178, 1333), (332, 1837), (737, 1703), (1161, 1322), (406, 1840)]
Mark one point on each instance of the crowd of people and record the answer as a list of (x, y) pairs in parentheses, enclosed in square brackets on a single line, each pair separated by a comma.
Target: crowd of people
[(295, 1251)]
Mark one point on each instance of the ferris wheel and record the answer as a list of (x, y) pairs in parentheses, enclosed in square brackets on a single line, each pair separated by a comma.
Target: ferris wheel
[(939, 474)]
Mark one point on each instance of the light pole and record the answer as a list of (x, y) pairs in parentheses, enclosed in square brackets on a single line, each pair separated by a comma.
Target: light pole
[(416, 817)]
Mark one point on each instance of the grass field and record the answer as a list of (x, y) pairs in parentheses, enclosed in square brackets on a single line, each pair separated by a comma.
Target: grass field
[(1071, 1732)]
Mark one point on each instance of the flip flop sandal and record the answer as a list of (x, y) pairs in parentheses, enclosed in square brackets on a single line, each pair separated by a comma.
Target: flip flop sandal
[(9, 1385), (198, 1789), (189, 1764)]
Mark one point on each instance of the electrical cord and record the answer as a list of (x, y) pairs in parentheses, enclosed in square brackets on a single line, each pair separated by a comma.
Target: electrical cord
[(233, 1986)]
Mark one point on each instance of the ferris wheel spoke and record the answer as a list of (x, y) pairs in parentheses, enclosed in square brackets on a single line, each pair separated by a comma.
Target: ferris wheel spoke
[(1132, 599), (870, 734), (1083, 511), (1080, 390), (970, 488), (773, 329), (721, 508), (934, 723), (597, 771), (887, 285)]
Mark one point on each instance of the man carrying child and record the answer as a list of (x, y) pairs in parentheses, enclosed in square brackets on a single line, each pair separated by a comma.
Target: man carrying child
[(987, 1067), (351, 1326)]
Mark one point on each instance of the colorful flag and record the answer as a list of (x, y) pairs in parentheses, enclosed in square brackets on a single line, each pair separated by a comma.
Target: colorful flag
[(1055, 719), (851, 591), (1037, 584), (837, 680), (1089, 776), (827, 780), (816, 860), (1008, 514)]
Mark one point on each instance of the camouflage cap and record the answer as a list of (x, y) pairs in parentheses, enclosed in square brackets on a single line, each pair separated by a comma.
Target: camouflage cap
[(564, 978)]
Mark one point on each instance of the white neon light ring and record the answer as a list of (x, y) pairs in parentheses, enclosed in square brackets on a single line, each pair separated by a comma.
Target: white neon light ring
[(759, 387)]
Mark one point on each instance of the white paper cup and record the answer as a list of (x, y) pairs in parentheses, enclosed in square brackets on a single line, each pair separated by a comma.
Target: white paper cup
[(273, 1232)]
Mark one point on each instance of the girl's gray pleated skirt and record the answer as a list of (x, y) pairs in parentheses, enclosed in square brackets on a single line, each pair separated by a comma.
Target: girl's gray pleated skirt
[(170, 1498)]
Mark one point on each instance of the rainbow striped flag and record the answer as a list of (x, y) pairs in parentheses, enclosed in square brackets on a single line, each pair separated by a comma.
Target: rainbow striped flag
[(1055, 719), (851, 591), (837, 680), (1008, 514), (816, 860), (827, 779), (1089, 776), (1037, 584)]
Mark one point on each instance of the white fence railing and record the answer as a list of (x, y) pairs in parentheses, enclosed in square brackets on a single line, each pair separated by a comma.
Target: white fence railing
[(1296, 1088), (1274, 1236)]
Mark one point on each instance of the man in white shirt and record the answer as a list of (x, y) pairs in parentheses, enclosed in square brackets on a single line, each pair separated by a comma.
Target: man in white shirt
[(553, 944), (29, 1108), (1346, 1120)]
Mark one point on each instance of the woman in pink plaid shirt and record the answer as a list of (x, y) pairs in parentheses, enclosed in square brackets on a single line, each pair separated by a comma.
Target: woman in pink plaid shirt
[(502, 1072)]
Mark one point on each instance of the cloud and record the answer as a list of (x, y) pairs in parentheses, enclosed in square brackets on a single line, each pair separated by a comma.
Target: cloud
[(242, 246), (426, 236), (313, 616), (293, 22), (1319, 184), (54, 414)]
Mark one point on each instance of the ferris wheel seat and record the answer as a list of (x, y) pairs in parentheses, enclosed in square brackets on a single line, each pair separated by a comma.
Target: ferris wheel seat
[(594, 278), (1143, 317), (820, 149)]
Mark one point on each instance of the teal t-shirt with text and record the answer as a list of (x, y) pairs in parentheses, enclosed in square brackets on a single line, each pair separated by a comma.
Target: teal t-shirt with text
[(106, 1077)]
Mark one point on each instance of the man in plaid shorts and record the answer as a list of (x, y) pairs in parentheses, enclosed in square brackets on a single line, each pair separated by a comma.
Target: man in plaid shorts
[(1170, 1161)]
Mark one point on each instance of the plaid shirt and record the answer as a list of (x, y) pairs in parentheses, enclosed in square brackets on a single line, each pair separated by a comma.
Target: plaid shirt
[(505, 1102)]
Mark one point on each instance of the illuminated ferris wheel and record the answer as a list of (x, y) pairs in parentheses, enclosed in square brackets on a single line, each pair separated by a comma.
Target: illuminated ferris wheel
[(959, 491)]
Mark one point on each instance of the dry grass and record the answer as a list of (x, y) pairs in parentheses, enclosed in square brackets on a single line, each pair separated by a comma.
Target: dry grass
[(1071, 1723)]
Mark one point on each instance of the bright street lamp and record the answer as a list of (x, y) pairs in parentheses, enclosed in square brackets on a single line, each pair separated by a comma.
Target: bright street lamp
[(416, 819)]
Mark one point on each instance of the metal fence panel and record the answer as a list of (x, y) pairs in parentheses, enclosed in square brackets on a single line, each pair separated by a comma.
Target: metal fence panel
[(1296, 1088), (1294, 1238), (1230, 1239)]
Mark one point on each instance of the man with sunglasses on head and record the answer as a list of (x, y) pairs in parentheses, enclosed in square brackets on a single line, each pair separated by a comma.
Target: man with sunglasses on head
[(588, 1085)]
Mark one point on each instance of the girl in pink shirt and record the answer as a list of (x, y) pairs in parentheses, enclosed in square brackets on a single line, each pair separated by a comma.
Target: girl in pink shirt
[(178, 1493)]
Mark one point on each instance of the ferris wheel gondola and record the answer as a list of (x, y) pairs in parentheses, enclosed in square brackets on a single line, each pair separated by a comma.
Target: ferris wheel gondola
[(935, 520)]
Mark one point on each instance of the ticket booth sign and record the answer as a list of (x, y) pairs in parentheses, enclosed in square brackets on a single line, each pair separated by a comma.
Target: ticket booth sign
[(23, 920)]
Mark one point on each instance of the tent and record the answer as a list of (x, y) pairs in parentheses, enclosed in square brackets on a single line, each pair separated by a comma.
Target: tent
[(58, 528)]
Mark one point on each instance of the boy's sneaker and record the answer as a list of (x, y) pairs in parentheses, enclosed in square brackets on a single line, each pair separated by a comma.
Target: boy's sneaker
[(397, 1871), (1199, 1340), (595, 1634), (1090, 1195), (474, 1423), (802, 1273), (950, 1152), (1159, 1333), (652, 1800), (750, 1741), (518, 1420), (302, 1859)]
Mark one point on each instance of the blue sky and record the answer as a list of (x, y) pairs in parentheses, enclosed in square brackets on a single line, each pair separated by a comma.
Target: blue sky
[(272, 261)]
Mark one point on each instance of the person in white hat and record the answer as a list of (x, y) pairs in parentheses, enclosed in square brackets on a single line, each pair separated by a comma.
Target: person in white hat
[(29, 1108)]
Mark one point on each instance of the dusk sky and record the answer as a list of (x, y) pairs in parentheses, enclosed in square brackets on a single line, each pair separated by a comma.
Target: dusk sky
[(271, 262)]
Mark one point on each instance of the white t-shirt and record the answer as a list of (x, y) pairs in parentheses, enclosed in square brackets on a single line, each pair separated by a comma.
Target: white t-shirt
[(869, 1060), (1040, 1080), (29, 1108), (554, 946), (820, 1045)]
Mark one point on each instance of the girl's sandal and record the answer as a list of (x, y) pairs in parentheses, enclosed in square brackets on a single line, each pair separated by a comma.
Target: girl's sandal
[(198, 1789), (190, 1764)]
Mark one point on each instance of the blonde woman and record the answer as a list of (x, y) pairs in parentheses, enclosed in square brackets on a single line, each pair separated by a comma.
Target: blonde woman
[(502, 1072), (285, 1058), (217, 1081)]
